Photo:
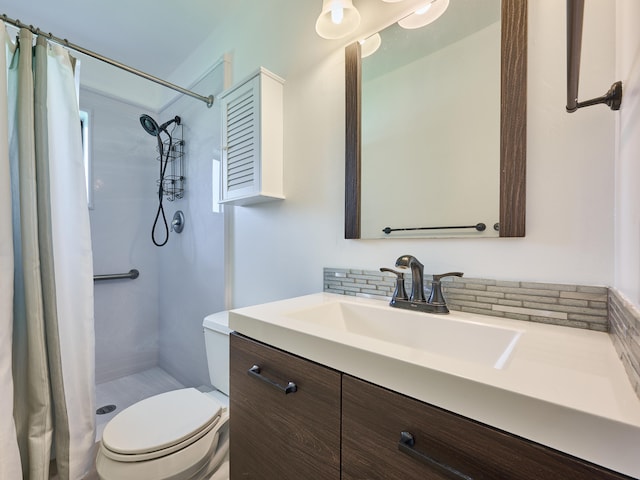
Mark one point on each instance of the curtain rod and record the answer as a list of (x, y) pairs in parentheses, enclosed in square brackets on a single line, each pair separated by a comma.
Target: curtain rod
[(63, 41)]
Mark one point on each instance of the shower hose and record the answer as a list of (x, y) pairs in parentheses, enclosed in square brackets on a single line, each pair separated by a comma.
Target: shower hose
[(164, 161)]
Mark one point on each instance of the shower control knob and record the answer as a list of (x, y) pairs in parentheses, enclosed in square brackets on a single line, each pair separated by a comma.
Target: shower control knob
[(177, 224)]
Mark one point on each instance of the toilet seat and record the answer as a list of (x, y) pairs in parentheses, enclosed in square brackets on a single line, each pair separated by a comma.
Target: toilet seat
[(191, 463), (160, 425)]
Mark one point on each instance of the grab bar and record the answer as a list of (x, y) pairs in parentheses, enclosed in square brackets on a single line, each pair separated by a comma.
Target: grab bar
[(132, 274), (613, 98), (481, 227)]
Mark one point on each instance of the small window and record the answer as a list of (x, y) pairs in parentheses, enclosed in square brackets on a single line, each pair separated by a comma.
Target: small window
[(84, 127)]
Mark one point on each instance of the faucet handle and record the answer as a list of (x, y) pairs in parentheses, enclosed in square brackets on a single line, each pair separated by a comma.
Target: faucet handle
[(399, 293), (436, 278), (436, 297), (385, 269)]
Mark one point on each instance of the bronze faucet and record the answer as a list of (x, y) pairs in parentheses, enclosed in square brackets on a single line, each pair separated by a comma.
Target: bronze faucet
[(416, 301)]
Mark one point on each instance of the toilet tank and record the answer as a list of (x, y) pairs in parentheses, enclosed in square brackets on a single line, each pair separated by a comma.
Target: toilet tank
[(216, 339)]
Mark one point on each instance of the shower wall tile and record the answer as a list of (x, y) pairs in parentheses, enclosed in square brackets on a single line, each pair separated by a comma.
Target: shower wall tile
[(123, 183), (191, 265)]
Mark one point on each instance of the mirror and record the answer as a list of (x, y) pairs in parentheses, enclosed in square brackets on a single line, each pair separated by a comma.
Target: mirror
[(481, 172)]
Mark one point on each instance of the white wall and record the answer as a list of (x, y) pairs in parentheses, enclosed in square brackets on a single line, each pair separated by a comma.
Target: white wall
[(627, 207), (279, 249), (124, 173)]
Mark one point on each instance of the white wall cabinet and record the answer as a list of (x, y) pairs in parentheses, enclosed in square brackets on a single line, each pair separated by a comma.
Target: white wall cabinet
[(252, 140)]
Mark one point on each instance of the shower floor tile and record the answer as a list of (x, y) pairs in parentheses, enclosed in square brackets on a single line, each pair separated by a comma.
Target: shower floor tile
[(128, 390)]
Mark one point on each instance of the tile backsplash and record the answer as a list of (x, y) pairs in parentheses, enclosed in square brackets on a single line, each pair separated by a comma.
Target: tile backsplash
[(624, 321), (568, 305)]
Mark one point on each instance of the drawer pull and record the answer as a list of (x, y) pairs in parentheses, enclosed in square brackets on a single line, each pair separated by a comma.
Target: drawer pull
[(255, 372), (407, 444)]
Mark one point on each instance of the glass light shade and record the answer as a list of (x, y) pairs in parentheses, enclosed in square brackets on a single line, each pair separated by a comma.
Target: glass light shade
[(392, 1), (425, 15), (326, 27), (370, 44)]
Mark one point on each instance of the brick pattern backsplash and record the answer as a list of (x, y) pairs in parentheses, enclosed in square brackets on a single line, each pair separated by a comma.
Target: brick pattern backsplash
[(624, 320), (559, 304), (349, 281), (568, 305)]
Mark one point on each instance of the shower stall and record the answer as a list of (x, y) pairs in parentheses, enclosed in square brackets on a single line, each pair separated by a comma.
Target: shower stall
[(149, 329)]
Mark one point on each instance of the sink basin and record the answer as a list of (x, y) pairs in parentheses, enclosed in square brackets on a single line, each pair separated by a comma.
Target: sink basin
[(438, 334)]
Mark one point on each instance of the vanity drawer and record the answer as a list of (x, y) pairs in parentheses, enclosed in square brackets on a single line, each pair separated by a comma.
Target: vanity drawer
[(447, 446), (277, 435)]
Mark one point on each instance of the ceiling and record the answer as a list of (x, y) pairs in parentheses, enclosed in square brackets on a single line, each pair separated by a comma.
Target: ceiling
[(177, 40), (168, 39), (150, 35)]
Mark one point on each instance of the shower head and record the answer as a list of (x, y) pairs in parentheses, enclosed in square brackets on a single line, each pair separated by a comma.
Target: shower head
[(151, 126)]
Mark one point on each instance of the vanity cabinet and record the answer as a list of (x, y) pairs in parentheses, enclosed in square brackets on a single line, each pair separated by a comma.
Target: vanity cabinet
[(277, 435), (335, 426), (386, 436)]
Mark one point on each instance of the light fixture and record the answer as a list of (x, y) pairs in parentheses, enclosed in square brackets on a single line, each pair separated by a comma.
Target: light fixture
[(392, 1), (424, 15), (370, 44), (338, 19)]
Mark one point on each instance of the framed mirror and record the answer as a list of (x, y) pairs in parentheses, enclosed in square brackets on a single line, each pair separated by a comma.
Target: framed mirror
[(483, 167)]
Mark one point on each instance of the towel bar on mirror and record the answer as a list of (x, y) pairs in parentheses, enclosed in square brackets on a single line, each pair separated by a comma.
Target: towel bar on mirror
[(481, 227)]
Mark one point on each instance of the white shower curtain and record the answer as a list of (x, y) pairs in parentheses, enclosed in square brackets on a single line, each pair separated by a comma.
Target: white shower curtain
[(47, 403)]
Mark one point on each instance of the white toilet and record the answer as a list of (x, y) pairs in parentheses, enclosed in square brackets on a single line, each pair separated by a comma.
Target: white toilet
[(178, 435)]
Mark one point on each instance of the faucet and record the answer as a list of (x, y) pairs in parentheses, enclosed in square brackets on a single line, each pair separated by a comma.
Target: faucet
[(417, 276), (416, 301)]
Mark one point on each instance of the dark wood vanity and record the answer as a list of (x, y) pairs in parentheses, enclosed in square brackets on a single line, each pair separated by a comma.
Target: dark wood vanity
[(335, 426), (282, 436)]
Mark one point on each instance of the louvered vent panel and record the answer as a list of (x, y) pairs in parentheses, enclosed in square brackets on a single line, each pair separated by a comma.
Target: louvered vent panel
[(241, 142)]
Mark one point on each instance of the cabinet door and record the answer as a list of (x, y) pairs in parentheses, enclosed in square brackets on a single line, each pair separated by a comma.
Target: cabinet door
[(276, 435), (445, 445), (241, 137)]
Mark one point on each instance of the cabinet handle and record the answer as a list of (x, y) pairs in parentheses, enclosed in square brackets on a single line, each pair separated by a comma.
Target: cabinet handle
[(255, 372), (406, 445)]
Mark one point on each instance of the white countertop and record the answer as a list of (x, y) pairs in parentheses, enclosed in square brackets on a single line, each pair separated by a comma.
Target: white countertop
[(562, 387)]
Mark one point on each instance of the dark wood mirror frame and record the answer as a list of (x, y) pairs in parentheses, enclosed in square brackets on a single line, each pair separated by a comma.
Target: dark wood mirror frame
[(513, 125)]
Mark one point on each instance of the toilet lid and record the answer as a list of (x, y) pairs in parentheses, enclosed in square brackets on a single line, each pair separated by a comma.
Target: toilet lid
[(159, 422)]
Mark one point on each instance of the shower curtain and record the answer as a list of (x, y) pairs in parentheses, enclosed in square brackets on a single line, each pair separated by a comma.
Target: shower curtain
[(47, 401)]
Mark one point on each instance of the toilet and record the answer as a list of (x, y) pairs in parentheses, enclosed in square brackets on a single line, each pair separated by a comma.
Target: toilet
[(177, 435)]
